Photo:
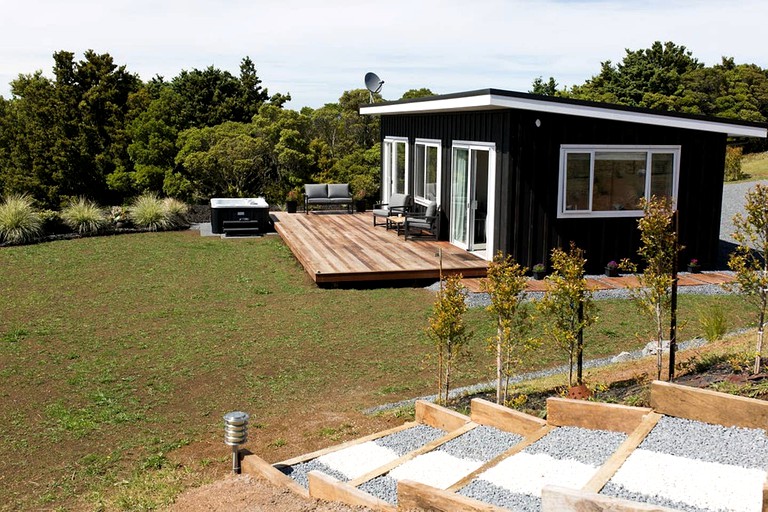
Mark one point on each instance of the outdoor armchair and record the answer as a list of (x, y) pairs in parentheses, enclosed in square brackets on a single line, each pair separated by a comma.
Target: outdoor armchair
[(399, 204), (425, 225)]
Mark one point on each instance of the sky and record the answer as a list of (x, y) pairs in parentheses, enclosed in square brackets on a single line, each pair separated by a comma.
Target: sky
[(316, 50)]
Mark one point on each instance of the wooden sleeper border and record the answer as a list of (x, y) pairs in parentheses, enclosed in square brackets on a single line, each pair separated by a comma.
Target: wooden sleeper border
[(666, 399)]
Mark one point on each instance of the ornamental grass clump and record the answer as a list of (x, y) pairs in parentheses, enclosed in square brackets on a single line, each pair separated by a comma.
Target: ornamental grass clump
[(149, 212), (84, 216), (177, 213), (19, 223)]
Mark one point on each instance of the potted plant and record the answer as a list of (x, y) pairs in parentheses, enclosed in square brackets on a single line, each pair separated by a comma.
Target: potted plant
[(694, 267), (359, 197), (292, 200), (612, 269), (539, 270)]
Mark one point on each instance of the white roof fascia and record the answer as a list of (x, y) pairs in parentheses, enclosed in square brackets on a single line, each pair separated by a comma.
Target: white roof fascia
[(495, 101)]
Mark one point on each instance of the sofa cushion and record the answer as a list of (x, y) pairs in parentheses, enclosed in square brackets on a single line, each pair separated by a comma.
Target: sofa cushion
[(399, 200), (339, 191), (316, 190), (431, 209)]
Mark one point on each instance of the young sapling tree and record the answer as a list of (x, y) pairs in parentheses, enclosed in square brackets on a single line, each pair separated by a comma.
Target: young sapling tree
[(567, 306), (749, 260), (657, 249), (505, 283), (448, 331)]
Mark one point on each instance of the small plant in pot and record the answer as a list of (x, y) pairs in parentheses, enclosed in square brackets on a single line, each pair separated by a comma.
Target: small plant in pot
[(539, 270), (292, 200), (694, 267), (612, 269), (359, 198)]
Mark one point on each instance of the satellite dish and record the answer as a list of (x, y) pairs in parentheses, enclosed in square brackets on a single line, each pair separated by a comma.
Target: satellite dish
[(373, 83)]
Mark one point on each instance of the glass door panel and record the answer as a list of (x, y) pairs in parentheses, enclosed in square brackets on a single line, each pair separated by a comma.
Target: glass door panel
[(479, 204), (460, 198)]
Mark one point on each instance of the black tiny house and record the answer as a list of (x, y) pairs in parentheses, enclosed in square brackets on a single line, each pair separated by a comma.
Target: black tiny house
[(523, 173)]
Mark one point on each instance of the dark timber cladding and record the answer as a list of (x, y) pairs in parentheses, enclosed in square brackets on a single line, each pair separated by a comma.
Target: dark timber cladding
[(528, 168)]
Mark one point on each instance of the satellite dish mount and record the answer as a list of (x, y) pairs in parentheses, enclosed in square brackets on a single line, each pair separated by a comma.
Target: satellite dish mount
[(373, 83)]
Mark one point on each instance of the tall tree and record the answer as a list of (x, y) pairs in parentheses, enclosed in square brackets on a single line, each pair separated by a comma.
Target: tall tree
[(548, 88), (649, 78)]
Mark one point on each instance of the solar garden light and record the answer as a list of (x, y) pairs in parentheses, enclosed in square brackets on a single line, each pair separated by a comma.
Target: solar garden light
[(235, 434)]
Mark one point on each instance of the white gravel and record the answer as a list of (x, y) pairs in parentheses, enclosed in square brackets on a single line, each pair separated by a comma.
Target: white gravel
[(527, 473), (706, 485), (359, 459), (693, 466), (436, 468)]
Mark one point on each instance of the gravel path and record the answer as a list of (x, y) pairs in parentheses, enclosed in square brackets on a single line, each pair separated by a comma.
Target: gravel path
[(694, 466)]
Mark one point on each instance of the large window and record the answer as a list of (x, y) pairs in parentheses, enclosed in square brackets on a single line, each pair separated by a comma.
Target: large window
[(426, 165), (609, 181), (395, 166)]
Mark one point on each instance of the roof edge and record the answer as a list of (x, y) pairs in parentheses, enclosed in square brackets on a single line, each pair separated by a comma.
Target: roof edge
[(489, 99)]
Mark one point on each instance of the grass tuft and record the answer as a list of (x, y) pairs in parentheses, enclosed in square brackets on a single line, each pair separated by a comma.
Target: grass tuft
[(149, 212), (177, 213), (19, 223), (84, 216)]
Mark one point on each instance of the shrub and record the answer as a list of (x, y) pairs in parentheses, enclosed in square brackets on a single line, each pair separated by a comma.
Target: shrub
[(733, 156), (84, 217), (149, 212), (19, 223), (177, 213), (52, 222)]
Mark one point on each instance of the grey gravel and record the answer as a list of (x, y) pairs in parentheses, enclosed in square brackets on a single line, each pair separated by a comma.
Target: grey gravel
[(299, 472), (382, 487), (482, 443), (587, 446), (743, 447), (410, 439), (619, 491), (489, 493)]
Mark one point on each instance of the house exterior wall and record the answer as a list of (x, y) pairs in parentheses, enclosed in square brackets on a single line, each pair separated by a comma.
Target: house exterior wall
[(527, 163)]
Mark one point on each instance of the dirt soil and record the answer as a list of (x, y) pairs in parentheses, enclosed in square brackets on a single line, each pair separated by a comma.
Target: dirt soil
[(248, 494)]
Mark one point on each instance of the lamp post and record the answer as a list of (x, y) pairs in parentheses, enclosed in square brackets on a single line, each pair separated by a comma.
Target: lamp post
[(235, 434)]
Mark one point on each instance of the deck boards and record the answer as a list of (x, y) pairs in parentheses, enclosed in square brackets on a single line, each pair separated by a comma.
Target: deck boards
[(340, 247)]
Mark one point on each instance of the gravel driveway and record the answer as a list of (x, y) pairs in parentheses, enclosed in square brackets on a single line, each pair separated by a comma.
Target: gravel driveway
[(733, 203)]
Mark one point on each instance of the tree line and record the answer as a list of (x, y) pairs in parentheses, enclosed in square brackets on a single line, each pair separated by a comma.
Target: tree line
[(96, 130), (668, 77)]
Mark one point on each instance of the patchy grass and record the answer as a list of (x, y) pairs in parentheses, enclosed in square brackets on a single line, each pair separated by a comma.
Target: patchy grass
[(755, 166), (120, 355)]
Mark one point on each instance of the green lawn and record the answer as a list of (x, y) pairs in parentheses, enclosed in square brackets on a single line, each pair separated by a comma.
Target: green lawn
[(755, 166), (119, 355)]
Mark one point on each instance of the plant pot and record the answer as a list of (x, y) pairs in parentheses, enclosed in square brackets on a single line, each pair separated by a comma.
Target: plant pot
[(694, 269), (291, 206), (360, 206), (539, 275), (611, 272)]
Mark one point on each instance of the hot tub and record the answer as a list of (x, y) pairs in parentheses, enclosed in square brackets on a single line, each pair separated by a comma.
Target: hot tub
[(239, 215)]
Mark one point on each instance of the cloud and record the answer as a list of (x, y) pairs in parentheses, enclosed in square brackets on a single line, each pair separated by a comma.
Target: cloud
[(317, 50)]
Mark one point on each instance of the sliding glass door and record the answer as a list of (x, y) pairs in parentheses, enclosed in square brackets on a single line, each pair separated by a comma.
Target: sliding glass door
[(472, 193)]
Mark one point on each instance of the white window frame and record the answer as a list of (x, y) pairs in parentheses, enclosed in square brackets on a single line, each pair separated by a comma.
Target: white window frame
[(390, 155), (566, 149), (422, 200)]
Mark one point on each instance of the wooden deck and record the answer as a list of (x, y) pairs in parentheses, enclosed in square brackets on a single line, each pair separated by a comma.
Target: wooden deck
[(341, 247)]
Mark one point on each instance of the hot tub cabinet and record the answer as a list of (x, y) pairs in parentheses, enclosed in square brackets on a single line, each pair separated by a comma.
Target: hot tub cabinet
[(232, 215)]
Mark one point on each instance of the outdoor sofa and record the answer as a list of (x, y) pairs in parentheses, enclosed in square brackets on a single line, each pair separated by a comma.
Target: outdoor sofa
[(333, 194)]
